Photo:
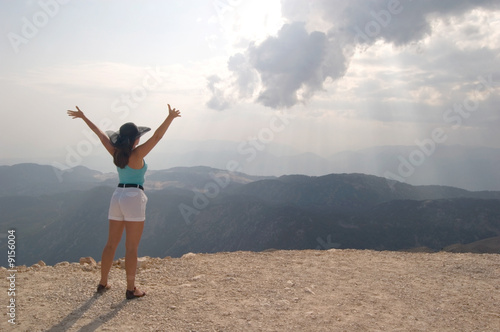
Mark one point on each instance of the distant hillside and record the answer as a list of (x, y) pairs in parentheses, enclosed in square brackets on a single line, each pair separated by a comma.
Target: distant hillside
[(341, 211), (467, 167), (352, 192), (196, 178), (202, 209), (489, 245), (35, 180)]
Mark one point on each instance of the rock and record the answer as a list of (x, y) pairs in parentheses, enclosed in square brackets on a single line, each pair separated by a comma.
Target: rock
[(21, 268), (143, 262), (188, 255), (308, 290), (41, 263), (35, 267), (87, 260), (62, 264), (198, 277), (88, 268)]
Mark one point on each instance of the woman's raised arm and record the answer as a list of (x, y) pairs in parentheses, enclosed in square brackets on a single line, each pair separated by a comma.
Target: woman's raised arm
[(143, 149), (102, 136)]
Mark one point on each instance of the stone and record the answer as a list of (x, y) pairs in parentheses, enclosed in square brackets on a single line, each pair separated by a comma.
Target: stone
[(21, 268), (88, 260), (308, 290), (143, 262), (88, 268), (198, 277), (35, 267), (60, 264)]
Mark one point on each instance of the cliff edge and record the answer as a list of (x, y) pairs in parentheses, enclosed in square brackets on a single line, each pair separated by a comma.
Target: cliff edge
[(333, 290)]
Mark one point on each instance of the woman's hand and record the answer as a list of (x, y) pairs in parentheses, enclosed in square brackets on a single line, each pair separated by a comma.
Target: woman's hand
[(173, 113), (102, 136), (76, 114)]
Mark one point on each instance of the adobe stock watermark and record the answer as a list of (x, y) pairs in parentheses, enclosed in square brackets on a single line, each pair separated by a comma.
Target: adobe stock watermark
[(11, 271), (249, 149), (31, 26), (122, 105), (453, 116), (381, 20)]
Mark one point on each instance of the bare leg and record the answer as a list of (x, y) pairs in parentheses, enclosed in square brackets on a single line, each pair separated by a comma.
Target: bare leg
[(133, 237), (115, 234)]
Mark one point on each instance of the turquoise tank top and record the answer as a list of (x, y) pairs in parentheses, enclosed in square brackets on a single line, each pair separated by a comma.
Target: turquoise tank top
[(132, 176)]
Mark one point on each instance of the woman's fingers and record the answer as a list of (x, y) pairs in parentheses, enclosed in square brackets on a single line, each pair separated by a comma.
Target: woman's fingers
[(173, 111), (74, 114)]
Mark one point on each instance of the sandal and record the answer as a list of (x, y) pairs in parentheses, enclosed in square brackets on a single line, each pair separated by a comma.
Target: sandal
[(130, 294), (102, 288)]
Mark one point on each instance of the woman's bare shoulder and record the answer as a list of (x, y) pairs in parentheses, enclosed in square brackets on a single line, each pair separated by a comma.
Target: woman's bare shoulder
[(135, 161)]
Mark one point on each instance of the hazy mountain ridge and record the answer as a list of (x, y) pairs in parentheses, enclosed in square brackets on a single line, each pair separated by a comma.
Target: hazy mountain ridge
[(33, 180), (344, 189), (468, 167), (250, 213)]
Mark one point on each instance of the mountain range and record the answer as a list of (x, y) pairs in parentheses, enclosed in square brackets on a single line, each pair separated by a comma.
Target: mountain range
[(468, 167), (62, 216)]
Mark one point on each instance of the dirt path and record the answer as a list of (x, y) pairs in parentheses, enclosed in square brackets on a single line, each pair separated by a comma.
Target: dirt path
[(335, 290)]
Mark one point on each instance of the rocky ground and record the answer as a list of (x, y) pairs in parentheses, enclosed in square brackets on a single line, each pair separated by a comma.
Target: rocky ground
[(334, 290)]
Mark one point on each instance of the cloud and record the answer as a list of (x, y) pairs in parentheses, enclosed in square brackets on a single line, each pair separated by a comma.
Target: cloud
[(319, 40), (218, 100), (398, 22), (293, 65), (246, 76)]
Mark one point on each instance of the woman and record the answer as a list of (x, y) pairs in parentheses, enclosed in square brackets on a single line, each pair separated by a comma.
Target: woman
[(128, 203)]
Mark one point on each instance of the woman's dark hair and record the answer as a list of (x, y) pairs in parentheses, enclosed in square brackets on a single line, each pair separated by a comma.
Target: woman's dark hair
[(124, 144), (123, 152)]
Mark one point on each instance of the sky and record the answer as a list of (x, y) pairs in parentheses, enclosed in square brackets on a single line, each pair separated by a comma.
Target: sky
[(318, 76)]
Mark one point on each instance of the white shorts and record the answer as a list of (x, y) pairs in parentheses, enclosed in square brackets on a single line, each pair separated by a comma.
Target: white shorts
[(128, 204)]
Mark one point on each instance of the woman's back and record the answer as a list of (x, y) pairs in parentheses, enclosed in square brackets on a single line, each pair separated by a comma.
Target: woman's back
[(132, 175)]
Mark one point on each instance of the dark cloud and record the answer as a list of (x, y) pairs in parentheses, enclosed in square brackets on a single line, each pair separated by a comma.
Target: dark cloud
[(395, 21), (293, 65), (294, 60), (246, 76), (218, 100)]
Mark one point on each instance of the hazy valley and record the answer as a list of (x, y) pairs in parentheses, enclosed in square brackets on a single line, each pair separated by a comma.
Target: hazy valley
[(63, 216)]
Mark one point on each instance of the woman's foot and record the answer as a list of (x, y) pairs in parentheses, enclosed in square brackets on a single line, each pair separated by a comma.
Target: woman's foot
[(132, 294), (102, 288)]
